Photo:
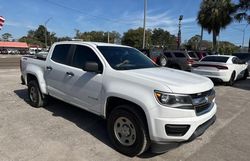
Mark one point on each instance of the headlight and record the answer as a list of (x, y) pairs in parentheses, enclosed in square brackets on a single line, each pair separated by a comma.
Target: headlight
[(174, 100)]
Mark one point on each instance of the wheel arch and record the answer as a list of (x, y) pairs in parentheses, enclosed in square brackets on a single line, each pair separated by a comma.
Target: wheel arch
[(114, 101), (41, 83)]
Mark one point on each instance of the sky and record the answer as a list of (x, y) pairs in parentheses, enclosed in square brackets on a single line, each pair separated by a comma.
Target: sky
[(63, 17)]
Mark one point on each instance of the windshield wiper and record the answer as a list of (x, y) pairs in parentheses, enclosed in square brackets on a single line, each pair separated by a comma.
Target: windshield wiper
[(122, 63)]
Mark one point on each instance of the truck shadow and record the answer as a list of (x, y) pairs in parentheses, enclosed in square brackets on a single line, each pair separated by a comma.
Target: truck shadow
[(85, 120), (91, 123)]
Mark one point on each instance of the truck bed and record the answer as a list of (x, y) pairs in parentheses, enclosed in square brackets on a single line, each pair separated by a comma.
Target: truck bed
[(29, 61)]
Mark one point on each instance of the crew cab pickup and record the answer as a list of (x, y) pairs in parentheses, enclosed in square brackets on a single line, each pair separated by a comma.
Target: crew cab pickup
[(146, 106)]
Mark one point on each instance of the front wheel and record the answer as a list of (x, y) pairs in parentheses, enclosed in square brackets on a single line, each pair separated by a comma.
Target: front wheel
[(163, 61), (127, 131)]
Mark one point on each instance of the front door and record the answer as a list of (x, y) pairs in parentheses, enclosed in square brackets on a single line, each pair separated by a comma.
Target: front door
[(84, 88)]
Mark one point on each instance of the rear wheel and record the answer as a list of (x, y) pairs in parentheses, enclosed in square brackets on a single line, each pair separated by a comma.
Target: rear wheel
[(163, 61), (35, 96), (246, 74), (175, 66), (127, 131), (231, 81)]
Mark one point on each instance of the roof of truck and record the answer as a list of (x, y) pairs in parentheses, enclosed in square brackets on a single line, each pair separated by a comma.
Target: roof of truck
[(90, 43)]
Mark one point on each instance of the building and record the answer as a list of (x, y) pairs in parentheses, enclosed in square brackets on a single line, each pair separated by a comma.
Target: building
[(13, 47)]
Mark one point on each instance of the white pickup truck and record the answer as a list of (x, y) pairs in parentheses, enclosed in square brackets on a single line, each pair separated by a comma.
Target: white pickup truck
[(146, 106)]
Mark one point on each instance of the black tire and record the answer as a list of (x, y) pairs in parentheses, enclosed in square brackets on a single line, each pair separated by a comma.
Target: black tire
[(163, 61), (175, 66), (231, 81), (246, 74), (35, 96), (137, 131)]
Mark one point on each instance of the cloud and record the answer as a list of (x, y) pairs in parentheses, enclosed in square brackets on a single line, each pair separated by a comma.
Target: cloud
[(155, 19), (19, 24)]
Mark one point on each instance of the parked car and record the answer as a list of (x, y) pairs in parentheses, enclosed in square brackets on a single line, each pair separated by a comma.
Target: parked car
[(23, 51), (156, 54), (201, 54), (181, 59), (221, 68), (41, 55), (244, 57), (3, 51), (145, 105)]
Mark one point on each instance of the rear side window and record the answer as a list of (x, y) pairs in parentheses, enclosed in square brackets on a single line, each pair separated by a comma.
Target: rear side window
[(192, 54), (179, 55), (60, 53), (221, 59), (168, 55), (85, 54), (155, 54)]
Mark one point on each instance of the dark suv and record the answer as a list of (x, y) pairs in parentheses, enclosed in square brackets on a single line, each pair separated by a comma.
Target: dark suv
[(245, 57), (156, 54), (181, 59)]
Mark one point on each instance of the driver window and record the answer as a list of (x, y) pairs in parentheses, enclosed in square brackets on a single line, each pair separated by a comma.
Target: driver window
[(84, 54)]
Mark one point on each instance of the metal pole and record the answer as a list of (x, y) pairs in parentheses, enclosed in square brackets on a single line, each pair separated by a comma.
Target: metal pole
[(45, 36), (45, 32), (108, 36), (249, 45), (201, 38), (243, 39), (179, 32), (144, 24)]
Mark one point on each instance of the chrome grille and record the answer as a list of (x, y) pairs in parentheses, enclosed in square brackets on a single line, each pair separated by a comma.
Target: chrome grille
[(203, 102)]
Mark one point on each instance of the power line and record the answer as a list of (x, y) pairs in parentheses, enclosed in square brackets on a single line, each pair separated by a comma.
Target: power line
[(88, 14)]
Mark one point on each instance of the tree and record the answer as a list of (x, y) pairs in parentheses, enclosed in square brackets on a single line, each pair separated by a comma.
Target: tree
[(114, 37), (37, 37), (163, 38), (98, 36), (215, 15), (227, 48), (194, 41), (66, 38), (242, 11), (39, 33), (134, 38), (6, 36)]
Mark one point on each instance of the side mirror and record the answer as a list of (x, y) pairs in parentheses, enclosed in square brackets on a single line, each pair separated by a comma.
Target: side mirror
[(91, 67)]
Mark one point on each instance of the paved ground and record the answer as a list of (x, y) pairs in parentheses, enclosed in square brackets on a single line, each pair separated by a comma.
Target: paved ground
[(9, 61), (62, 132)]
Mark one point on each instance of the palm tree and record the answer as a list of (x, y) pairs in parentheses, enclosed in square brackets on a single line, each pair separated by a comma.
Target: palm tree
[(242, 13), (215, 15)]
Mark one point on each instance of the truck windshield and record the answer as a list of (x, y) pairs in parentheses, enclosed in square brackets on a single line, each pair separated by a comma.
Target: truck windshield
[(125, 58)]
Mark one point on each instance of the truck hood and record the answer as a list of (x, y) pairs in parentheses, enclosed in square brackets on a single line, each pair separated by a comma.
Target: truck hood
[(177, 81)]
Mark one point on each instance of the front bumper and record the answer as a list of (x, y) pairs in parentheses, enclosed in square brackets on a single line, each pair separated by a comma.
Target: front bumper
[(162, 116), (161, 147)]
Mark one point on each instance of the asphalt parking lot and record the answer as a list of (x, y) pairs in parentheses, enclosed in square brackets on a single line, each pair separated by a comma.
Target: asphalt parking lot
[(62, 132)]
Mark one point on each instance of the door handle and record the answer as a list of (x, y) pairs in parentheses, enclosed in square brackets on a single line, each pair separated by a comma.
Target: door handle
[(49, 68), (70, 74)]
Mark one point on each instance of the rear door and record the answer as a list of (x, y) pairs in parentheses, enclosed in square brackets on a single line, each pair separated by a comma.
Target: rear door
[(84, 88), (55, 71), (181, 60)]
